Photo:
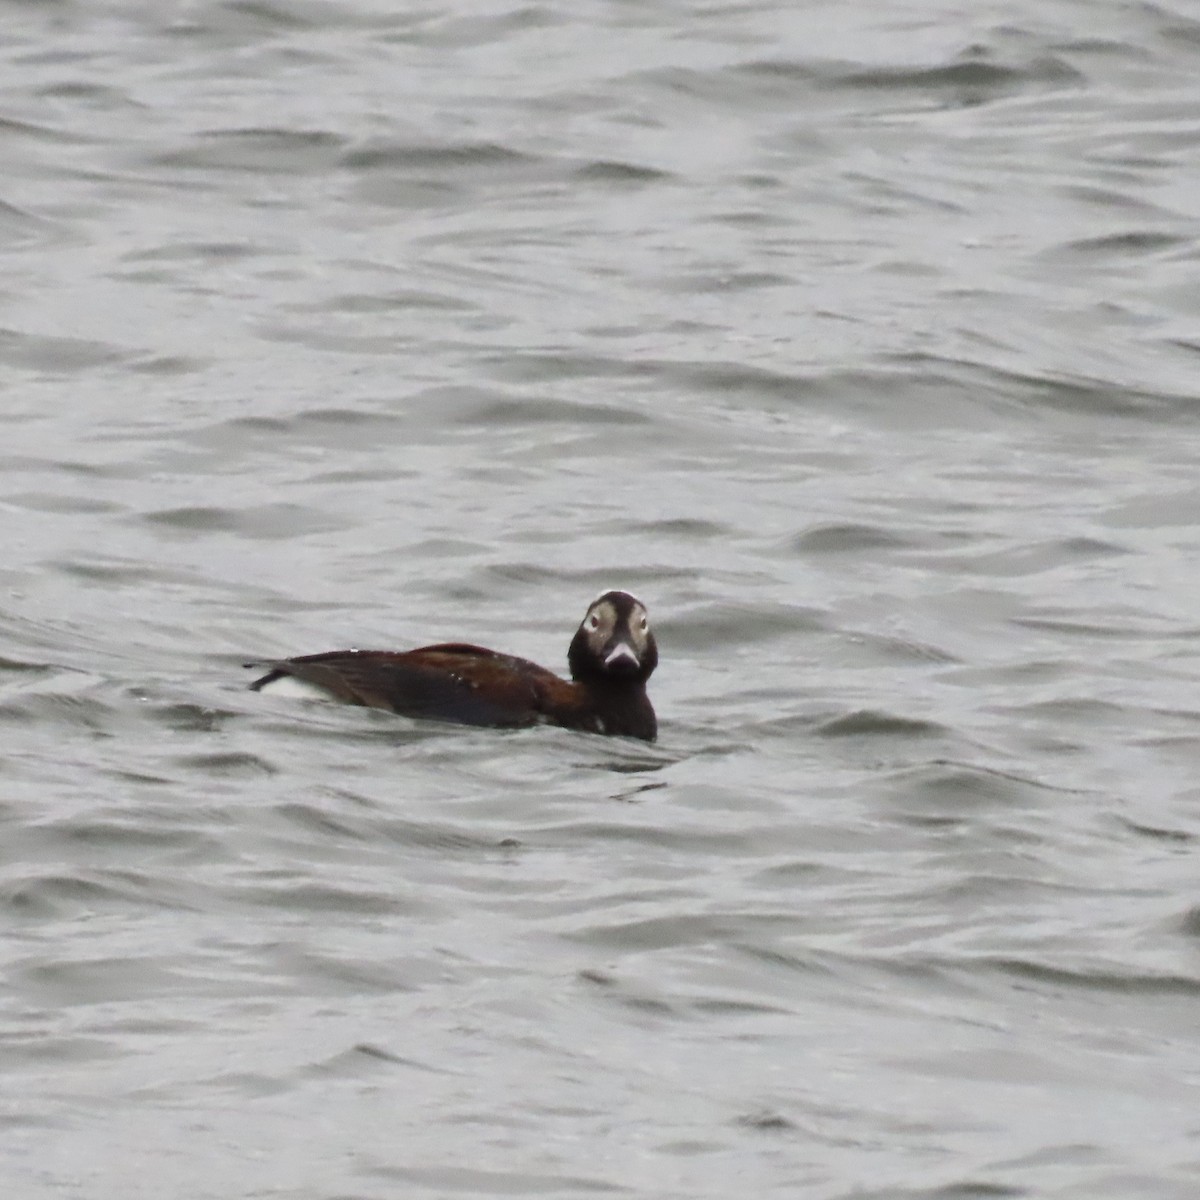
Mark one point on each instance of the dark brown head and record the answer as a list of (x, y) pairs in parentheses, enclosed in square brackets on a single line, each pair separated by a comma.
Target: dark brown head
[(614, 643)]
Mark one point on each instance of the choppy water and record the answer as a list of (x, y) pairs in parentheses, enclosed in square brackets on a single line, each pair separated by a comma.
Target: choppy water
[(860, 340)]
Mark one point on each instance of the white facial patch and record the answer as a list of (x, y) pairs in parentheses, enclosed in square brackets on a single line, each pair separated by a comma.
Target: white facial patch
[(599, 622)]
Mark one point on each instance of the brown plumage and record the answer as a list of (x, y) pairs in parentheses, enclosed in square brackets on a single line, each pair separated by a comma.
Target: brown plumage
[(611, 656)]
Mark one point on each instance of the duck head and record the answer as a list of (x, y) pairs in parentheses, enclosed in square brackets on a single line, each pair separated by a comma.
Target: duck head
[(614, 642)]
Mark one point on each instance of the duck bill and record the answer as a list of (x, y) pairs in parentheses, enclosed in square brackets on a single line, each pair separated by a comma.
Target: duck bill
[(620, 658)]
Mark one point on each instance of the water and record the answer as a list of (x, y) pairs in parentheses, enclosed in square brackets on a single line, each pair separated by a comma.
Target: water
[(860, 341)]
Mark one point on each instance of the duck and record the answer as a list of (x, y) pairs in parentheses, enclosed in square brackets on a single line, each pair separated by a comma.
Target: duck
[(611, 656)]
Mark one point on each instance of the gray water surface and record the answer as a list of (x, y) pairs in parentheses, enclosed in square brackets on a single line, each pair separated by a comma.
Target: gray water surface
[(861, 341)]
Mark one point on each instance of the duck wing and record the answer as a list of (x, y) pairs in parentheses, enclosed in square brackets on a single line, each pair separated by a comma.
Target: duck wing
[(452, 681)]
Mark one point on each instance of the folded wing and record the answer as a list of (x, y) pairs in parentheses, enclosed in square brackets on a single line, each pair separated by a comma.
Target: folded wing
[(453, 681)]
